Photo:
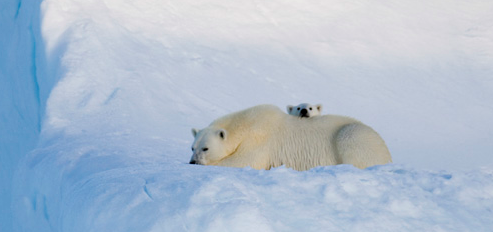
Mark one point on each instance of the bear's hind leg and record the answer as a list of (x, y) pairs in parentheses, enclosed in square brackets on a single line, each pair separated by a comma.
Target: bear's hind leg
[(361, 146)]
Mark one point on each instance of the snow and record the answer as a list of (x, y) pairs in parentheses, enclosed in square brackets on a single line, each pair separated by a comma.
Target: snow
[(98, 99)]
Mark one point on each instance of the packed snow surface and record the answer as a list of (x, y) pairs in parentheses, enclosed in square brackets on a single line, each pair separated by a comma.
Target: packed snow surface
[(98, 99)]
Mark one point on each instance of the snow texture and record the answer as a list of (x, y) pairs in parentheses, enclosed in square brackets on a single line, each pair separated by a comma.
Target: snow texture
[(97, 101)]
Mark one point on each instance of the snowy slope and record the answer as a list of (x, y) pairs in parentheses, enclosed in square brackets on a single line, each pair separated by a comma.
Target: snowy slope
[(128, 79), (419, 68)]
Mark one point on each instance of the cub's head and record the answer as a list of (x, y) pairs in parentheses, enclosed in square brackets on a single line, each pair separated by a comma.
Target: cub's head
[(209, 146), (305, 110)]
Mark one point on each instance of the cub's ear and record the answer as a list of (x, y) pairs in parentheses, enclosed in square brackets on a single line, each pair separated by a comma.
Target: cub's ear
[(195, 132), (289, 108), (319, 108), (222, 134)]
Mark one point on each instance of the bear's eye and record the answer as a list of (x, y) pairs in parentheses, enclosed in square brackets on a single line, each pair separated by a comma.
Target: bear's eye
[(299, 108), (205, 149), (310, 108), (193, 149)]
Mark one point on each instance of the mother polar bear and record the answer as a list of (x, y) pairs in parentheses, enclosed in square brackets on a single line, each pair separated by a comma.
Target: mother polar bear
[(263, 137)]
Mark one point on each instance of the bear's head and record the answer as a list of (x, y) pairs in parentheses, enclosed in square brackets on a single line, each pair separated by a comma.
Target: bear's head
[(304, 110), (209, 146)]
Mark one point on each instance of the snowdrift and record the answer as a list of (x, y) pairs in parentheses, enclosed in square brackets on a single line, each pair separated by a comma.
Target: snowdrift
[(106, 92)]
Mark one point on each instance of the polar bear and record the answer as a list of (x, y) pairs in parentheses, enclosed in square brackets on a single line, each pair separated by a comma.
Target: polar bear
[(264, 137), (304, 110)]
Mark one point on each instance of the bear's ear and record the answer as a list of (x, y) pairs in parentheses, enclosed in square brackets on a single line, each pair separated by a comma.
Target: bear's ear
[(319, 108), (222, 134), (289, 108), (195, 132)]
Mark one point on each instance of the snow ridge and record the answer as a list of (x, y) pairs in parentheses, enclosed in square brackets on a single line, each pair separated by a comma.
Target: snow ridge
[(21, 110)]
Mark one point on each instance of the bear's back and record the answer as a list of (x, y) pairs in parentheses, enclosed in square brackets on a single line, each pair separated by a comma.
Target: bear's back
[(303, 143), (323, 122)]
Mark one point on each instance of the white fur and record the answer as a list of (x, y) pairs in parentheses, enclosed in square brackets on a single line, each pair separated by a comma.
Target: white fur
[(310, 110), (263, 137)]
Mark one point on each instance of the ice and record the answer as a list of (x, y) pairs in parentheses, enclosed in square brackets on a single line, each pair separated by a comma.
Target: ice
[(98, 98)]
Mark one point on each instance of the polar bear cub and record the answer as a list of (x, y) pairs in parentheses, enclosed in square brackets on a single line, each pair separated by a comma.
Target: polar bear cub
[(263, 137), (305, 110)]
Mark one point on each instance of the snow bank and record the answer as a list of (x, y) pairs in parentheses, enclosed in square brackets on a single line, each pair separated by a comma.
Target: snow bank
[(132, 77), (96, 189)]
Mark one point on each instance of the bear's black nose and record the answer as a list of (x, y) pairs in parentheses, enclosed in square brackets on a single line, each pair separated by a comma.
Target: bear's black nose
[(303, 113), (193, 162)]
